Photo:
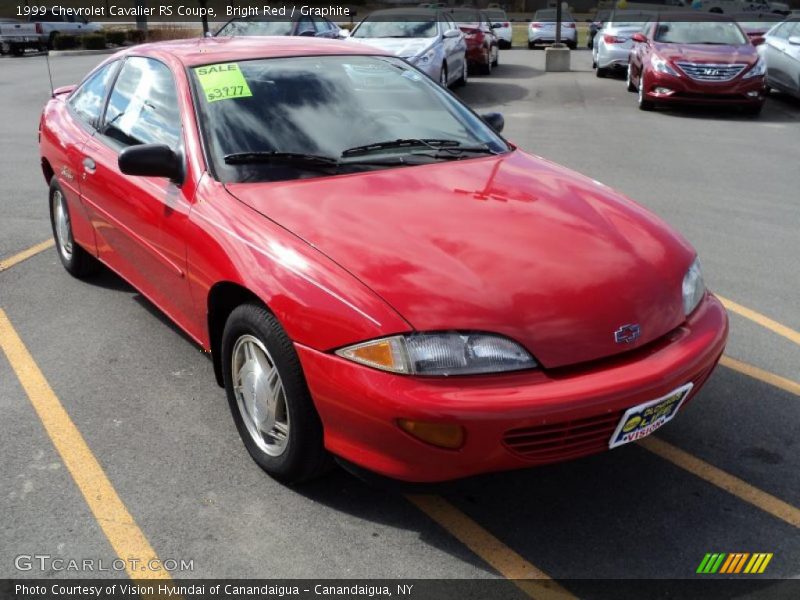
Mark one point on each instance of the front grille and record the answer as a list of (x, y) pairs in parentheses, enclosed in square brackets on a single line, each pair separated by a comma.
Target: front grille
[(565, 440), (711, 72)]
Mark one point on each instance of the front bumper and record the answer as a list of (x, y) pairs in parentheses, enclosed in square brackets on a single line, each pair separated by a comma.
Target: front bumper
[(567, 412), (739, 92)]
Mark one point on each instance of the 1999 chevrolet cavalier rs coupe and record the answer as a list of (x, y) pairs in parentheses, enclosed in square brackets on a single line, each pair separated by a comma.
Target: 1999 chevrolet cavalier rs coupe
[(377, 273)]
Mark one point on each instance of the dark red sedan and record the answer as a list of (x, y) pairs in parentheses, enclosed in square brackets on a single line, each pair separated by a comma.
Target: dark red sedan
[(377, 273), (696, 59), (483, 45)]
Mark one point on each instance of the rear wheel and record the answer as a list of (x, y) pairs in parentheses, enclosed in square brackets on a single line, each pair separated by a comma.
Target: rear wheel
[(496, 60), (486, 68), (601, 72), (75, 259), (269, 398), (531, 46)]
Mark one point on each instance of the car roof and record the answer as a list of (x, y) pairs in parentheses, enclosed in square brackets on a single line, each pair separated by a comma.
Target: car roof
[(203, 51), (693, 16)]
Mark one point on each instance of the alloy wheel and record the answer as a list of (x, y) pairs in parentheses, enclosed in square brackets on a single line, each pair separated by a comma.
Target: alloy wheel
[(63, 227)]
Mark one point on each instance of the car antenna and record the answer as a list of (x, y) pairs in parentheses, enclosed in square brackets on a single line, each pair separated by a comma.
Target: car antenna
[(49, 73)]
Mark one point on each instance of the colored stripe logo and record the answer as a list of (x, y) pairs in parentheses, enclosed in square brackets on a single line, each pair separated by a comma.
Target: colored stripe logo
[(734, 563)]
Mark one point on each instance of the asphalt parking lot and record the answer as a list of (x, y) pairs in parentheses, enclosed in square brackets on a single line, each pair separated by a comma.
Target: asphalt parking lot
[(722, 477)]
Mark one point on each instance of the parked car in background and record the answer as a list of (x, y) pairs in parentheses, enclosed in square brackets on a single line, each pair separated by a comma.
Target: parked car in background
[(428, 39), (300, 25), (781, 51), (696, 58), (483, 47), (325, 221), (542, 30), (613, 43), (730, 7), (17, 36), (501, 25), (596, 25), (756, 25), (50, 24)]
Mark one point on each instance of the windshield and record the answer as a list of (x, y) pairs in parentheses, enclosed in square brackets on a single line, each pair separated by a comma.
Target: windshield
[(290, 118), (379, 28), (465, 16), (235, 28), (700, 32), (495, 15)]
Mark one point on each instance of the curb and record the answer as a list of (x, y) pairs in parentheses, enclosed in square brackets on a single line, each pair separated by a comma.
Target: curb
[(83, 52)]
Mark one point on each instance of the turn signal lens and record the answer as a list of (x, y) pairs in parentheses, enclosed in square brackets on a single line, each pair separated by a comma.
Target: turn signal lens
[(386, 354), (443, 435)]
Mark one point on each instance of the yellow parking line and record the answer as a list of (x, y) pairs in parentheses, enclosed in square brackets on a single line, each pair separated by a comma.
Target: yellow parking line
[(783, 383), (730, 483), (108, 509), (25, 254), (534, 582), (762, 320)]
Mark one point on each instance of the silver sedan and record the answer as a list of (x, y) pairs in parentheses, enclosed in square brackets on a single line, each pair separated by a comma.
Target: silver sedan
[(781, 51), (613, 43), (428, 39)]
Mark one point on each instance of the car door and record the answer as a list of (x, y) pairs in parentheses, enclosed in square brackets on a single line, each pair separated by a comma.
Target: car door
[(791, 58), (85, 109), (140, 222), (455, 47)]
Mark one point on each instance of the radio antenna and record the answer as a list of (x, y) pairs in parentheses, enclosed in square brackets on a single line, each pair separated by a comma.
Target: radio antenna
[(49, 74)]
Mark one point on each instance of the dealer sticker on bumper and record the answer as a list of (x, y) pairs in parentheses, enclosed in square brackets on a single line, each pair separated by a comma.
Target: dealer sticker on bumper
[(644, 419)]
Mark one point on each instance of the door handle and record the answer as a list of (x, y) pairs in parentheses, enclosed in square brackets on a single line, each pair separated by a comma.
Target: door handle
[(89, 165)]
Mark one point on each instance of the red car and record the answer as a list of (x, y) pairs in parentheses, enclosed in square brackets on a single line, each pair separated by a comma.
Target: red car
[(698, 59), (483, 45), (377, 274)]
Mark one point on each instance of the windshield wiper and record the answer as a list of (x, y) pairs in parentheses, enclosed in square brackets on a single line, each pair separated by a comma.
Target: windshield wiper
[(432, 143), (286, 158), (454, 153)]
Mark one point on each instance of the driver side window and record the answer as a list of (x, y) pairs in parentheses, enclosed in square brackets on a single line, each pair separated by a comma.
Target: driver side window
[(143, 107)]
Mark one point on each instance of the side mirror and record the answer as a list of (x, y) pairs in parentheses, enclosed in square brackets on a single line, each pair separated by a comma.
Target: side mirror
[(494, 120), (794, 40), (151, 160), (452, 33), (639, 38), (344, 33), (758, 40)]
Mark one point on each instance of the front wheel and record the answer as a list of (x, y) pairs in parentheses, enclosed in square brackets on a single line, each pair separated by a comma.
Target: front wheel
[(443, 79), (462, 81), (75, 259), (631, 87), (644, 103), (269, 398)]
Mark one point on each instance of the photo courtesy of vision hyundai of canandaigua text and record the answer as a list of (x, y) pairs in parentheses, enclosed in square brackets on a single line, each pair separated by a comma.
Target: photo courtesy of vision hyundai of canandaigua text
[(379, 276)]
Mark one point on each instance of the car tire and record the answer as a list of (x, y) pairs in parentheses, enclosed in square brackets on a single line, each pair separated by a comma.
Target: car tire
[(644, 104), (601, 72), (77, 261), (496, 60), (443, 79), (753, 111), (631, 87), (572, 45), (51, 40), (531, 46), (266, 388), (486, 68), (464, 79)]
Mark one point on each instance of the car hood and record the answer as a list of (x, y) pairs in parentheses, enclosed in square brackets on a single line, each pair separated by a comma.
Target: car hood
[(511, 244), (706, 53), (403, 47)]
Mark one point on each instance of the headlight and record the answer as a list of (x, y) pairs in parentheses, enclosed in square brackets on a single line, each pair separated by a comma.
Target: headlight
[(453, 353), (662, 66), (693, 287), (758, 70), (423, 58)]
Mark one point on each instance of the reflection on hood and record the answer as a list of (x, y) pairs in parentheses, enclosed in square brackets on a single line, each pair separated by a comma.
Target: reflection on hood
[(403, 47)]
